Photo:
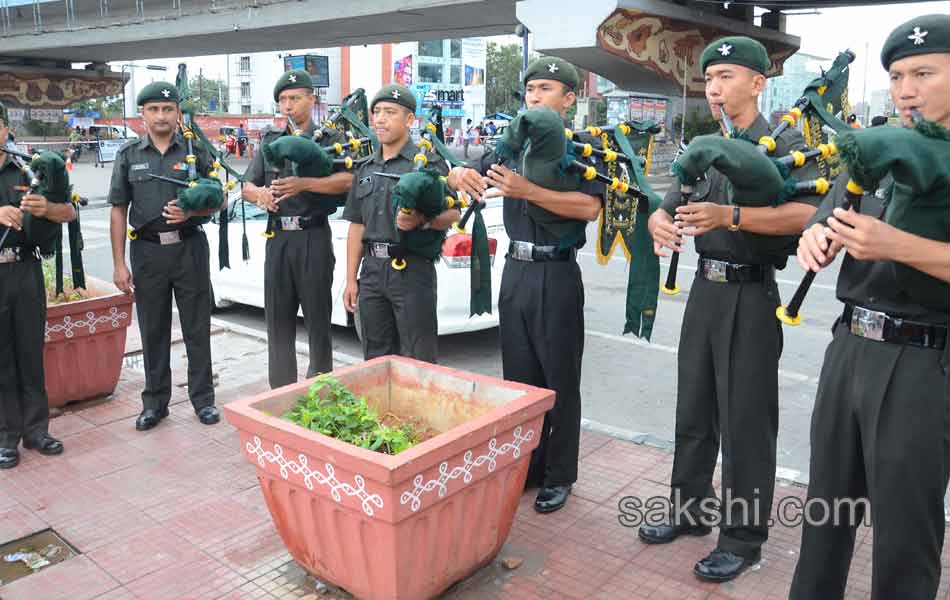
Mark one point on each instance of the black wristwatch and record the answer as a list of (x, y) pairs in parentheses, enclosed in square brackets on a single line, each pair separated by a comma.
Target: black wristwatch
[(735, 219)]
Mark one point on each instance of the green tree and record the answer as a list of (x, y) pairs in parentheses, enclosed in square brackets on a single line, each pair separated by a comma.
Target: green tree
[(204, 89), (503, 78), (698, 122), (108, 107)]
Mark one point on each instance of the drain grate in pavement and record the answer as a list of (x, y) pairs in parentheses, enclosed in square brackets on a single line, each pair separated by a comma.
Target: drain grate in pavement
[(26, 556)]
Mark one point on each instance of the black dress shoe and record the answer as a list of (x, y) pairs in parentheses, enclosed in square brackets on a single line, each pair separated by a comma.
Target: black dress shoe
[(721, 566), (209, 415), (551, 498), (149, 418), (46, 445), (667, 532), (9, 458)]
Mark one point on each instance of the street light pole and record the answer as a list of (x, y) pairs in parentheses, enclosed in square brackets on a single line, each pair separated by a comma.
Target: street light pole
[(125, 123)]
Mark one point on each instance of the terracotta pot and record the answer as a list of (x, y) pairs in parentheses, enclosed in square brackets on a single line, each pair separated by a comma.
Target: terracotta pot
[(85, 344), (405, 526)]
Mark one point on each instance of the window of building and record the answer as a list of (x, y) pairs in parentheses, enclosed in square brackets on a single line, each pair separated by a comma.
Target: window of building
[(456, 48), (456, 73), (245, 89), (245, 64), (245, 109), (432, 48), (430, 73)]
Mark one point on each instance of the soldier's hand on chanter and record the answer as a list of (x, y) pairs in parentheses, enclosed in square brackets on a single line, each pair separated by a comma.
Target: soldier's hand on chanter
[(11, 216), (122, 278), (666, 235), (863, 236), (173, 213), (467, 180), (815, 250), (264, 198), (409, 221), (508, 183), (350, 296), (286, 187), (697, 218), (35, 204)]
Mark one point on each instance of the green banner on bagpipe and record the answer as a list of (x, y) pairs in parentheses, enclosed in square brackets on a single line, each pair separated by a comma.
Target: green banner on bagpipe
[(623, 220), (827, 97)]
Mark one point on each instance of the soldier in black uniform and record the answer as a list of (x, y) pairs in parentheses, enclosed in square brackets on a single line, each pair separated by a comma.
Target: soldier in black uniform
[(298, 267), (879, 431), (397, 308), (24, 409), (730, 342), (169, 253), (541, 301)]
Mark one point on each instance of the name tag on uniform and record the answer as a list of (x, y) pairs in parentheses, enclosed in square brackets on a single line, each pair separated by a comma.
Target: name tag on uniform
[(366, 180), (180, 167), (139, 167)]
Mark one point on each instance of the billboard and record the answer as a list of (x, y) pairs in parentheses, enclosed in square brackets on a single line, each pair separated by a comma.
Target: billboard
[(402, 71), (318, 67)]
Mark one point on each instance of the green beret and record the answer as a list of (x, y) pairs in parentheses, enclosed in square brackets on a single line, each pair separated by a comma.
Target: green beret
[(553, 68), (397, 94), (736, 50), (929, 34), (158, 91), (292, 80)]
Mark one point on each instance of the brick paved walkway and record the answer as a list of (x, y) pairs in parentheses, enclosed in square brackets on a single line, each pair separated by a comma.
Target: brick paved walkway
[(175, 513)]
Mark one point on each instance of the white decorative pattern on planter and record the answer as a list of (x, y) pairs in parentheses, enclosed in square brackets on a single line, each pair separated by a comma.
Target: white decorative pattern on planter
[(465, 470), (309, 476), (68, 327)]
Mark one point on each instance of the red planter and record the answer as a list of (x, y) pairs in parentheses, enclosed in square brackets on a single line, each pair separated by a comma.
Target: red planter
[(406, 526), (85, 344)]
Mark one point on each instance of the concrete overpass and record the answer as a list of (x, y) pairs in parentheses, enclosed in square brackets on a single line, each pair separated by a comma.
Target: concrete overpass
[(649, 45)]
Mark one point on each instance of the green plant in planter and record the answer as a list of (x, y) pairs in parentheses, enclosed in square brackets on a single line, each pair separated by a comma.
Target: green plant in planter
[(70, 294), (331, 409)]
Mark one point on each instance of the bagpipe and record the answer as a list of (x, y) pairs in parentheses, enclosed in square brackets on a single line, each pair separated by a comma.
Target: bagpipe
[(916, 160), (558, 159), (199, 192), (757, 177), (48, 176), (340, 143), (424, 189)]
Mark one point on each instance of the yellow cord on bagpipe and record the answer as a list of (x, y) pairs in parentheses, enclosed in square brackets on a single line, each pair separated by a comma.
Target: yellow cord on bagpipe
[(625, 129), (769, 143), (610, 156), (798, 158), (621, 186), (421, 158), (348, 162), (828, 149), (569, 133), (822, 186), (131, 234), (188, 133), (231, 184), (425, 145), (192, 184), (595, 131), (338, 148), (854, 188), (590, 173), (191, 159), (268, 234), (355, 145), (587, 150), (431, 127)]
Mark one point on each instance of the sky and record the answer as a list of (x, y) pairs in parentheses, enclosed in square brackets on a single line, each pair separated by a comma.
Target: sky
[(862, 29)]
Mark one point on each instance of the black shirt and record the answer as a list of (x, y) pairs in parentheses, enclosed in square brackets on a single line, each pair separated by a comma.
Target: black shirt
[(370, 200), (131, 183), (11, 177), (742, 246), (306, 204), (519, 225), (875, 284)]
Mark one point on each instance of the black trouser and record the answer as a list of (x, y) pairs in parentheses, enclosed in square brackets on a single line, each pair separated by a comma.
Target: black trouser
[(727, 390), (157, 271), (541, 320), (398, 309), (298, 272), (879, 431), (24, 410)]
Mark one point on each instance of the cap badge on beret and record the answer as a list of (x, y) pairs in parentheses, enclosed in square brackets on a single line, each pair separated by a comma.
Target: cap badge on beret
[(725, 49), (166, 92), (396, 94), (292, 78), (553, 68), (918, 36)]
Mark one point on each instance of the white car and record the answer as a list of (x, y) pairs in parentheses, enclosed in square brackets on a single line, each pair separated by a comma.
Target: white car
[(243, 283)]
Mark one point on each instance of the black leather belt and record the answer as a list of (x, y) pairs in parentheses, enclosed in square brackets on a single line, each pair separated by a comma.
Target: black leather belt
[(529, 252), (879, 326), (721, 271), (14, 254), (299, 223), (167, 238), (384, 250)]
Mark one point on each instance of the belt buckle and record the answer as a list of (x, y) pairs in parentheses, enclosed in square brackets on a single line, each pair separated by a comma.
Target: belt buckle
[(290, 223), (868, 323), (715, 270), (380, 250), (166, 238), (522, 251), (8, 255)]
